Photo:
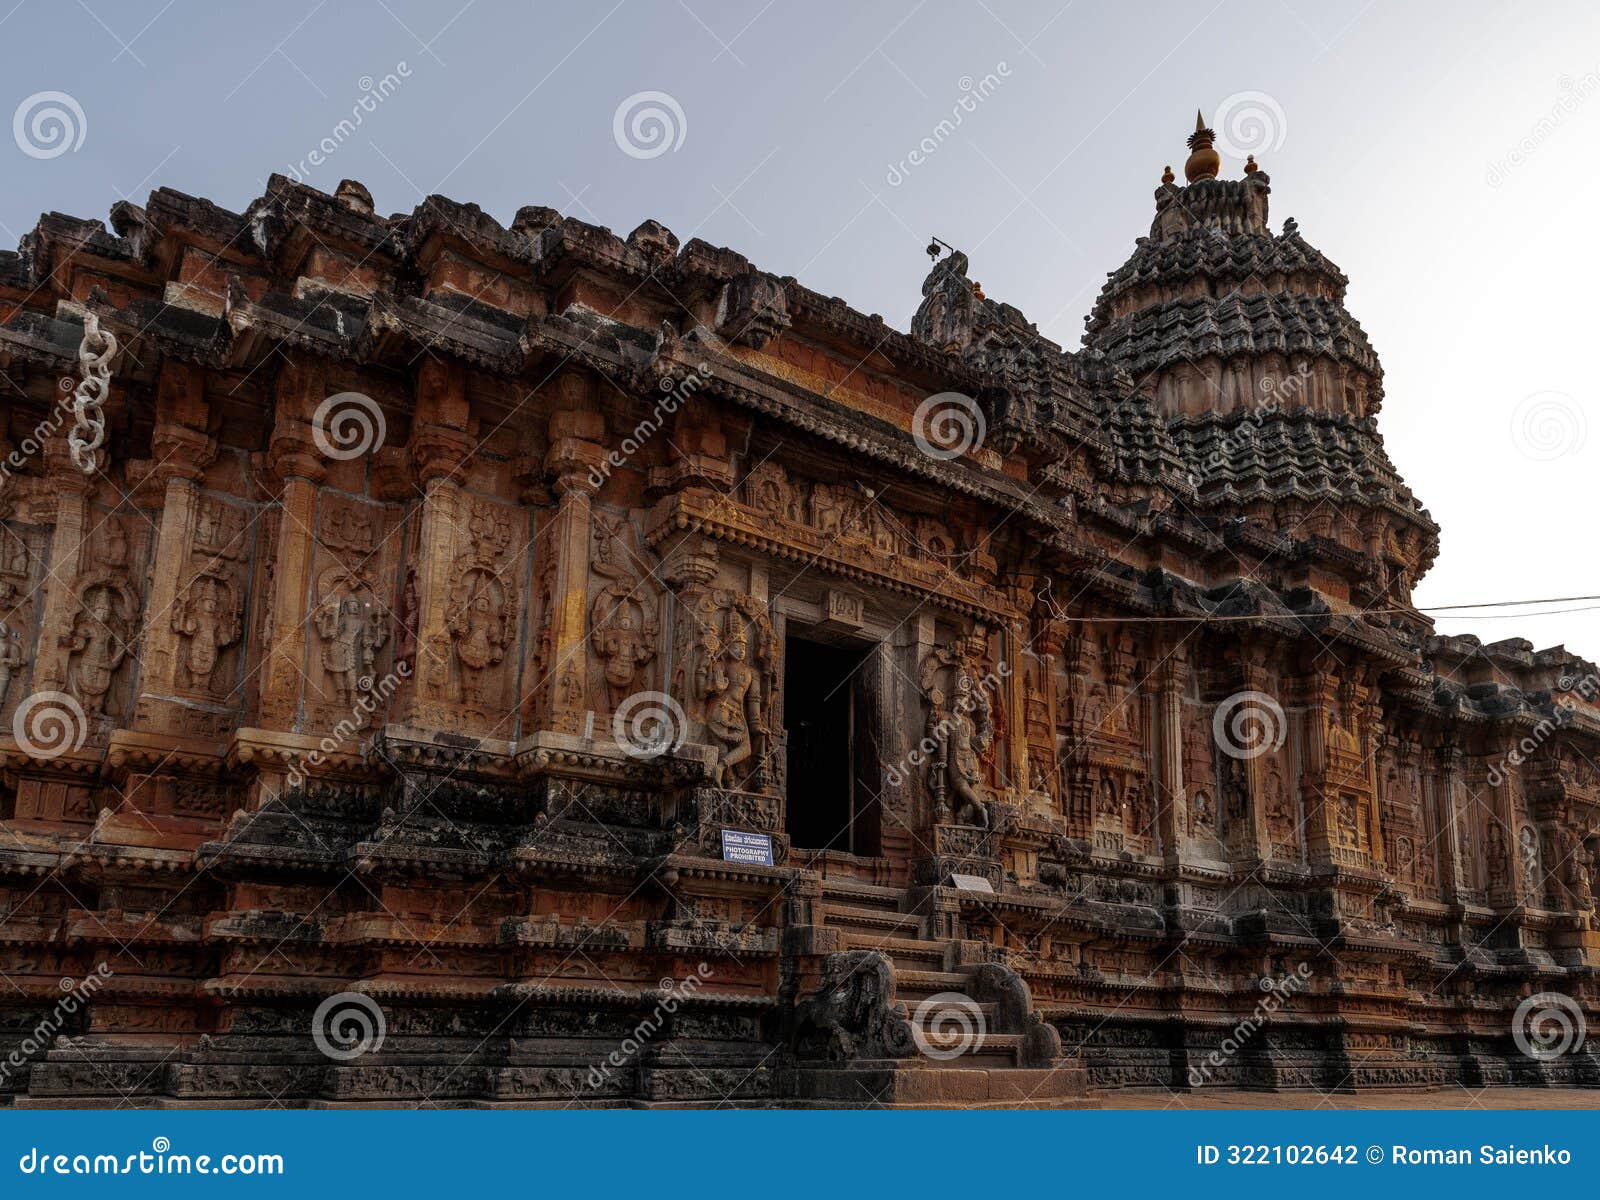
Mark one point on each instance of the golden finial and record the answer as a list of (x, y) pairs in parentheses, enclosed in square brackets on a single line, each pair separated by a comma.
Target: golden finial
[(1250, 167), (977, 290), (1204, 162), (1167, 176)]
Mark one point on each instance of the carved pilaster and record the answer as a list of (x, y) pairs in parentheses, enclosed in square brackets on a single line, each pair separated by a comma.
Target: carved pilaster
[(576, 433), (1166, 736), (194, 594), (1439, 779), (296, 467), (69, 554)]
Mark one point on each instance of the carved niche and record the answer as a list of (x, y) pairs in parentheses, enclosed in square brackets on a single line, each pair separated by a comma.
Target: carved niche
[(208, 613), (958, 697), (481, 614), (730, 676), (102, 625), (623, 627), (19, 553), (349, 617)]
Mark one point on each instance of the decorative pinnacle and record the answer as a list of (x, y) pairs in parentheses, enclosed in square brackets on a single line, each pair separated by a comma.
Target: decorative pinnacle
[(1204, 162)]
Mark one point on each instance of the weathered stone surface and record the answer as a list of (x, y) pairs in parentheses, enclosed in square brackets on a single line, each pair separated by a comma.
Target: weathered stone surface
[(430, 619)]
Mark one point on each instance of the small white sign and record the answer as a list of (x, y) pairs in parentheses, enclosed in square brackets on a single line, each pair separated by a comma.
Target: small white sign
[(972, 883)]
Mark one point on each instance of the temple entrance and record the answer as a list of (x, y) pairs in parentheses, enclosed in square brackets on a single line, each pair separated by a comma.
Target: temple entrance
[(833, 778)]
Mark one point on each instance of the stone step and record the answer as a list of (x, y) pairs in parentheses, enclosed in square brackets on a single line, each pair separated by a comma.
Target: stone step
[(907, 954), (991, 1051), (893, 924), (913, 985), (920, 1013), (905, 1085), (862, 895)]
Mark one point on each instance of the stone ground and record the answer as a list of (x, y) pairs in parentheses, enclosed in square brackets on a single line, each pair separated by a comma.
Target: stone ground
[(1457, 1098)]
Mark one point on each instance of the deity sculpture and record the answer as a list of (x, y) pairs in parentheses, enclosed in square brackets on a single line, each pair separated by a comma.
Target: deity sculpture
[(97, 644), (1496, 850), (353, 633), (10, 660), (962, 728), (208, 621), (946, 315), (622, 620), (1528, 857), (735, 693), (481, 636)]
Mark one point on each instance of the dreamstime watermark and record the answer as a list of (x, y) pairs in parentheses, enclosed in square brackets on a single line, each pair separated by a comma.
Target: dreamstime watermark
[(947, 425), (373, 93), (973, 694), (1278, 992), (347, 1025), (1548, 1025), (35, 441), (1526, 746), (1249, 724), (649, 724), (1572, 94), (49, 724), (347, 425), (948, 1025), (1278, 393), (973, 93), (676, 391), (674, 993), (76, 993), (373, 694), (649, 124), (155, 1161), (49, 124), (1548, 425), (1249, 123), (1587, 686)]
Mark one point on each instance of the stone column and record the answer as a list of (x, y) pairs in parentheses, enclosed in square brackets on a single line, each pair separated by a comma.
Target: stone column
[(182, 454), (1372, 738), (1255, 680), (1167, 750), (1500, 849), (1447, 762), (440, 448), (1013, 637), (297, 466), (69, 553), (577, 431)]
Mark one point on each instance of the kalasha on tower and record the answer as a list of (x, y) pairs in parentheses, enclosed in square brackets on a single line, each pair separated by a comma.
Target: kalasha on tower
[(523, 665)]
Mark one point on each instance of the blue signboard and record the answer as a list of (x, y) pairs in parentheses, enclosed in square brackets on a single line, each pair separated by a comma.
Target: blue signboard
[(741, 847)]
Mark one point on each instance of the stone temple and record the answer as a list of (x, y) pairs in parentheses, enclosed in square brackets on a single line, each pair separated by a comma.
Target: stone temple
[(526, 666)]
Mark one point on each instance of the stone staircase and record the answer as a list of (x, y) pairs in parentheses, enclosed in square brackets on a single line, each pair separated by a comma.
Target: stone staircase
[(915, 1022)]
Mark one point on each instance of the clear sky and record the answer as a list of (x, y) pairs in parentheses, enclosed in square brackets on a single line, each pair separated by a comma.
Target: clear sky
[(1443, 154)]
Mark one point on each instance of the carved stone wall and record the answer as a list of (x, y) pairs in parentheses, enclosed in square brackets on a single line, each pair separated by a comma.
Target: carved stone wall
[(420, 639)]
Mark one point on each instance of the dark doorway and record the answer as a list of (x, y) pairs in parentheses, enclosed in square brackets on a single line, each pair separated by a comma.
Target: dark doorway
[(829, 711)]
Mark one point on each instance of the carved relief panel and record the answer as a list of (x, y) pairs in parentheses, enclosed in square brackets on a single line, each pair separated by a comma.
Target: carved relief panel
[(1200, 777), (960, 697), (624, 625), (102, 625), (353, 572), (468, 671), (207, 618), (22, 565), (727, 672), (1106, 754)]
